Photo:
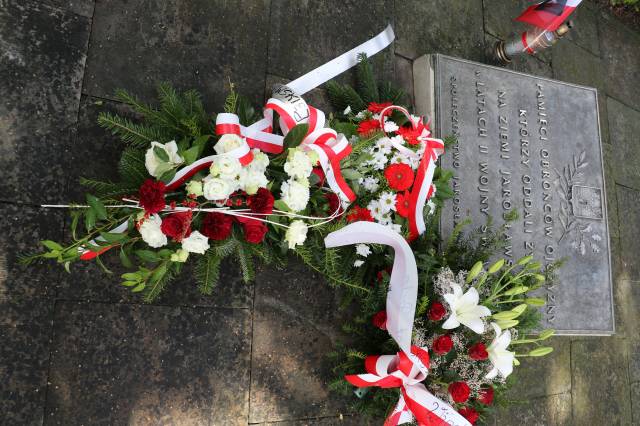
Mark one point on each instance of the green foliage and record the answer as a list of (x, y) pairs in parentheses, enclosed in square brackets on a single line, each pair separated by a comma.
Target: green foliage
[(367, 84), (207, 271)]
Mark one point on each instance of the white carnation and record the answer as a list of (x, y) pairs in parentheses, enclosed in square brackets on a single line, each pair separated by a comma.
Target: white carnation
[(295, 194), (250, 180), (296, 233), (260, 161), (157, 167), (226, 167), (151, 232), (363, 250), (195, 243), (298, 164), (227, 143), (217, 189)]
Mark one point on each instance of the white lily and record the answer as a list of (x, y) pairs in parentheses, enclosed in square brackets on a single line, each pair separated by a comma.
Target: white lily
[(500, 357), (465, 309)]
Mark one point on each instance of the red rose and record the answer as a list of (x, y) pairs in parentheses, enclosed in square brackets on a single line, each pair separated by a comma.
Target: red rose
[(151, 196), (486, 395), (261, 201), (442, 345), (334, 203), (411, 135), (359, 214), (478, 352), (459, 391), (217, 226), (254, 231), (375, 107), (399, 176), (403, 204), (177, 225), (368, 126), (379, 320), (470, 414), (436, 311)]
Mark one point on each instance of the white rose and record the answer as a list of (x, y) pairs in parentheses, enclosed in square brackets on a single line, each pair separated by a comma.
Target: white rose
[(151, 233), (295, 194), (296, 234), (250, 181), (227, 167), (194, 187), (157, 167), (260, 161), (217, 189), (195, 243), (298, 164), (227, 143)]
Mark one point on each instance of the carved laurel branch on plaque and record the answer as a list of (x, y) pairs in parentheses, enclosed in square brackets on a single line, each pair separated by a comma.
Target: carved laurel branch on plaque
[(571, 175)]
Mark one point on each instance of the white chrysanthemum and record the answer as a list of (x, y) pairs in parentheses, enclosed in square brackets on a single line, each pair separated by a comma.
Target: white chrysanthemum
[(358, 263), (388, 201), (226, 167), (386, 219), (151, 232), (296, 233), (217, 189), (295, 194), (395, 227), (465, 309), (298, 164), (363, 250), (250, 180), (376, 209), (500, 357), (157, 167), (371, 184), (195, 243), (361, 115), (227, 143), (383, 146)]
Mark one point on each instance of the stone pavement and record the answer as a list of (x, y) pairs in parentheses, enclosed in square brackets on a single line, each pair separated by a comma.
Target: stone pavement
[(79, 349)]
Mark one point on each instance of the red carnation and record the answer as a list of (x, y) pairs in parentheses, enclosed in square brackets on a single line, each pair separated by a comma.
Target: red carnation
[(375, 107), (442, 345), (254, 231), (261, 201), (486, 395), (411, 135), (334, 202), (379, 320), (367, 126), (459, 391), (217, 226), (470, 414), (403, 203), (359, 214), (151, 196), (478, 352), (399, 176), (177, 225), (436, 311)]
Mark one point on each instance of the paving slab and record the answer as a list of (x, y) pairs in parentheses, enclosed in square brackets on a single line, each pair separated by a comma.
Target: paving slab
[(600, 377), (624, 128), (25, 332), (610, 167), (629, 203), (585, 29), (22, 228), (548, 375), (296, 324), (354, 420), (41, 69), (635, 402), (553, 410), (620, 55), (128, 364), (403, 78), (448, 27), (199, 44), (80, 7), (305, 35)]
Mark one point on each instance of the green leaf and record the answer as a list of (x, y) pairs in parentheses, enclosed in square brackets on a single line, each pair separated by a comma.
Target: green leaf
[(97, 206), (161, 154), (139, 288), (516, 290), (545, 334), (124, 259), (281, 205), (113, 237), (129, 283), (90, 219), (147, 256), (167, 176), (542, 351), (131, 276), (496, 266), (295, 136), (52, 245), (351, 174), (191, 155)]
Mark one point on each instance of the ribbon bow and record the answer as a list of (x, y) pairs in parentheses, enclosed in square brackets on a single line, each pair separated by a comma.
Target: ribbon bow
[(422, 188)]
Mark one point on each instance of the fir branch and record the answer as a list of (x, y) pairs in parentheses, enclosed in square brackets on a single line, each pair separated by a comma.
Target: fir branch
[(107, 189), (246, 262), (131, 168), (207, 271), (342, 96), (367, 85), (136, 135)]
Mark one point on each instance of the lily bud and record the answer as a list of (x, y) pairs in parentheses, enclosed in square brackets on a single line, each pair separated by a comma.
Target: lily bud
[(505, 315), (520, 308), (545, 350), (534, 265), (535, 301), (504, 324), (540, 277), (524, 260), (496, 266), (475, 270), (545, 334), (516, 290)]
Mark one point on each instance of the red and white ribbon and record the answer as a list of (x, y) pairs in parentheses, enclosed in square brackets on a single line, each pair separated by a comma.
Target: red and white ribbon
[(408, 368), (421, 189)]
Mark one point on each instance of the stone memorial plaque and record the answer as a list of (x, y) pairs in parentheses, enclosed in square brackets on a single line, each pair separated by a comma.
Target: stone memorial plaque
[(531, 146)]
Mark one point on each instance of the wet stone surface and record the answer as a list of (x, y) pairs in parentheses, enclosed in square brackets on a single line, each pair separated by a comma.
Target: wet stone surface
[(553, 410), (629, 203), (200, 45), (624, 128), (148, 365), (41, 69)]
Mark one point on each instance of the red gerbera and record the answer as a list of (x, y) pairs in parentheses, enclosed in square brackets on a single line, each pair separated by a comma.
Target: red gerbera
[(375, 107), (261, 201), (217, 226), (152, 196), (410, 135), (177, 225), (403, 203), (368, 126), (359, 214), (399, 176)]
